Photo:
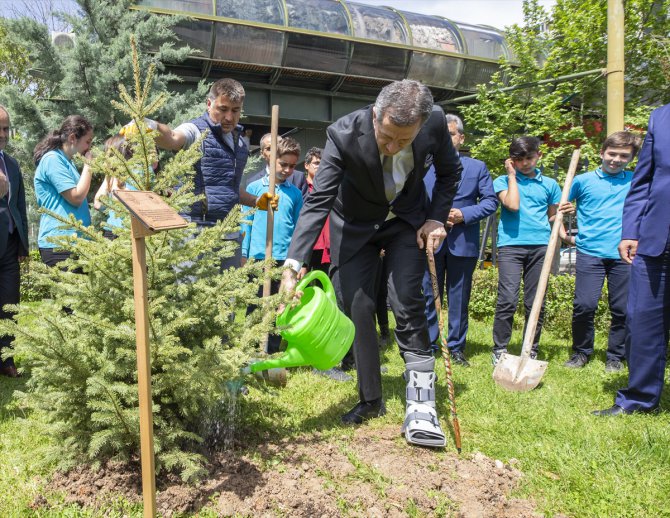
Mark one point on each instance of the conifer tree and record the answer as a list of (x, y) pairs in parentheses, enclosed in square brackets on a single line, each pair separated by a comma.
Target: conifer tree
[(79, 345)]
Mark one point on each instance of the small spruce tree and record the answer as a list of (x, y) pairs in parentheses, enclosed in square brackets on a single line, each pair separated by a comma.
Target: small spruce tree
[(79, 345)]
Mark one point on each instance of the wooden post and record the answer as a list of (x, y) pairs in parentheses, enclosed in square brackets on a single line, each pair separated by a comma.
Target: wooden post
[(274, 130), (139, 232), (615, 66), (148, 214)]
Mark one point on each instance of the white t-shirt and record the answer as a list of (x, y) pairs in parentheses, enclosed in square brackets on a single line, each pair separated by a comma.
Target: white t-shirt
[(192, 133)]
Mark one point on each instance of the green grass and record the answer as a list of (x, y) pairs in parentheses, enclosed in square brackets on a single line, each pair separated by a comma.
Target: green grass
[(573, 462)]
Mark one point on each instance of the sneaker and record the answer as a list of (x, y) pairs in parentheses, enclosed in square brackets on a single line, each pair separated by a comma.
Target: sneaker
[(577, 361), (495, 356), (459, 358), (613, 366), (335, 373)]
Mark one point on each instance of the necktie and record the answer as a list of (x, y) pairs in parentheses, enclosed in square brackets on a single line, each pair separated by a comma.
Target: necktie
[(389, 182), (4, 172)]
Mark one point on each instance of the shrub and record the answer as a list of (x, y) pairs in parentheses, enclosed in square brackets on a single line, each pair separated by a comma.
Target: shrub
[(558, 303)]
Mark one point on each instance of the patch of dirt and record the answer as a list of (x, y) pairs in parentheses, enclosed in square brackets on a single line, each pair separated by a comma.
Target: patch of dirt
[(372, 474)]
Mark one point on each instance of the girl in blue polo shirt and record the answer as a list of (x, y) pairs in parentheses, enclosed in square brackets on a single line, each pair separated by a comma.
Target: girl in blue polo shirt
[(58, 185), (600, 197), (528, 203)]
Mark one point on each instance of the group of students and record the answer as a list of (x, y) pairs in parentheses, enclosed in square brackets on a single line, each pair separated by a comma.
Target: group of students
[(530, 201)]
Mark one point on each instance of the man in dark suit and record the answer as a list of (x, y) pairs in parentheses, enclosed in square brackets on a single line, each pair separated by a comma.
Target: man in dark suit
[(645, 244), (371, 176), (13, 235), (475, 200)]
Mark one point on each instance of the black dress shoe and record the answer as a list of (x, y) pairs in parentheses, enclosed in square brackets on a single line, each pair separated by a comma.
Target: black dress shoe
[(364, 411), (459, 358), (613, 410), (617, 410)]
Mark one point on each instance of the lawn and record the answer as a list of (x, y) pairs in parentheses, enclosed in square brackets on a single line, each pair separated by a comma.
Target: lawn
[(573, 463)]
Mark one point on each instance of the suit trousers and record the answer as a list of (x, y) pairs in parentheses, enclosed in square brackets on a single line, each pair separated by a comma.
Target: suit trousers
[(591, 274), (458, 280), (356, 281), (515, 262), (648, 325), (10, 282)]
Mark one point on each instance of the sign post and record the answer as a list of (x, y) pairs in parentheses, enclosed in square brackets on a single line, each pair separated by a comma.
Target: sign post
[(149, 214)]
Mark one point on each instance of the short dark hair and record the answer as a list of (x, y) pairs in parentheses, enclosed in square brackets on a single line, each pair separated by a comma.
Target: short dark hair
[(288, 146), (228, 87), (622, 139), (523, 147), (314, 152)]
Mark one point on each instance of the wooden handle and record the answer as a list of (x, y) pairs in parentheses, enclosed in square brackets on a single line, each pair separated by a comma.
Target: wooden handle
[(528, 338), (273, 169)]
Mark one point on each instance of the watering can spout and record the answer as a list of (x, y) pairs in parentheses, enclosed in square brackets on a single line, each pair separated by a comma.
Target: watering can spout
[(291, 358)]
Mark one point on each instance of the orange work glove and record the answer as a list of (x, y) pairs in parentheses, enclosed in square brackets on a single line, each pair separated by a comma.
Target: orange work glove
[(266, 198)]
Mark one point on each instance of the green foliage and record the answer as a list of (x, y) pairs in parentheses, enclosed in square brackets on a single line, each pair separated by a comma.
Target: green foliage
[(568, 114), (558, 303), (83, 79), (32, 288), (79, 345), (13, 61)]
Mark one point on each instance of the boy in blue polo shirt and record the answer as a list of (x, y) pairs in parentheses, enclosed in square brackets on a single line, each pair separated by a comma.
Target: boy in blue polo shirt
[(285, 216), (600, 197), (529, 202)]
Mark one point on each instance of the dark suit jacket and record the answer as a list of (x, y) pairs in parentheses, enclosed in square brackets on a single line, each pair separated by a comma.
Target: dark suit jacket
[(646, 212), (14, 202), (350, 182), (476, 199)]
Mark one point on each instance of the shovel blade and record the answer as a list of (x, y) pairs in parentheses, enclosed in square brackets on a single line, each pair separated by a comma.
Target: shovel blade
[(518, 374)]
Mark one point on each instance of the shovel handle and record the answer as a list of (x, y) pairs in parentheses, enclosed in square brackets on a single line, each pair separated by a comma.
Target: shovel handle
[(534, 316)]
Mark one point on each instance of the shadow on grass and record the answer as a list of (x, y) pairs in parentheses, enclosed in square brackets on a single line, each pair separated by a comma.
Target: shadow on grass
[(8, 409)]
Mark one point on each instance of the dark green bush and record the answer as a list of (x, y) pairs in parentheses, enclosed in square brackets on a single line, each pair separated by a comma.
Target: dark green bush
[(558, 303)]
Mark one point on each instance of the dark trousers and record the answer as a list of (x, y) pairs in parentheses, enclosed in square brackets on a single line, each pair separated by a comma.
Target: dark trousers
[(648, 324), (316, 263), (590, 276), (10, 282), (382, 296), (515, 262), (274, 340), (52, 256), (356, 281), (458, 271)]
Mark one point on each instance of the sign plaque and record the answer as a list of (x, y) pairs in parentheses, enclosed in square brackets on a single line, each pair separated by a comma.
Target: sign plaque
[(151, 210)]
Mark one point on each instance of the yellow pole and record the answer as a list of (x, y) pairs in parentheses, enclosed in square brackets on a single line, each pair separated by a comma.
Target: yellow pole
[(143, 366), (615, 65)]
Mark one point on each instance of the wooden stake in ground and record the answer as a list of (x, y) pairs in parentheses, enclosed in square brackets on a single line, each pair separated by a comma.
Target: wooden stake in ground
[(149, 214), (274, 128), (446, 356)]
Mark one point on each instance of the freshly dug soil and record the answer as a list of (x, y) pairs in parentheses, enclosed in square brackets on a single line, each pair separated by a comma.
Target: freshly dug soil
[(372, 474)]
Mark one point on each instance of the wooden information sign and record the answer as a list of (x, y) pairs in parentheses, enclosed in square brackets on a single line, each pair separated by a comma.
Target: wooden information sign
[(148, 214)]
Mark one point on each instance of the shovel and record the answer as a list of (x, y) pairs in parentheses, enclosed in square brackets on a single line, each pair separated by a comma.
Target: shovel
[(522, 373)]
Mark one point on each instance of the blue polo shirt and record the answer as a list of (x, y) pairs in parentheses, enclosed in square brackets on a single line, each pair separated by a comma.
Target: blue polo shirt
[(530, 224), (54, 175), (600, 198), (285, 219)]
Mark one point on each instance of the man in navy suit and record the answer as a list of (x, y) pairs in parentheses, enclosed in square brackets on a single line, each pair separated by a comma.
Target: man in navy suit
[(13, 235), (474, 201), (645, 243)]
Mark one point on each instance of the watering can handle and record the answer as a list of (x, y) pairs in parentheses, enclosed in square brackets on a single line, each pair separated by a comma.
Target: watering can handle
[(323, 279)]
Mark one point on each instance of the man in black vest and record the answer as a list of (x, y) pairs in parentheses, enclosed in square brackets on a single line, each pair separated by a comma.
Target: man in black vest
[(13, 235), (370, 181)]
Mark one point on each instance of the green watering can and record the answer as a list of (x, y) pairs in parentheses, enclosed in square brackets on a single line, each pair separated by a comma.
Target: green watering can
[(317, 332)]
